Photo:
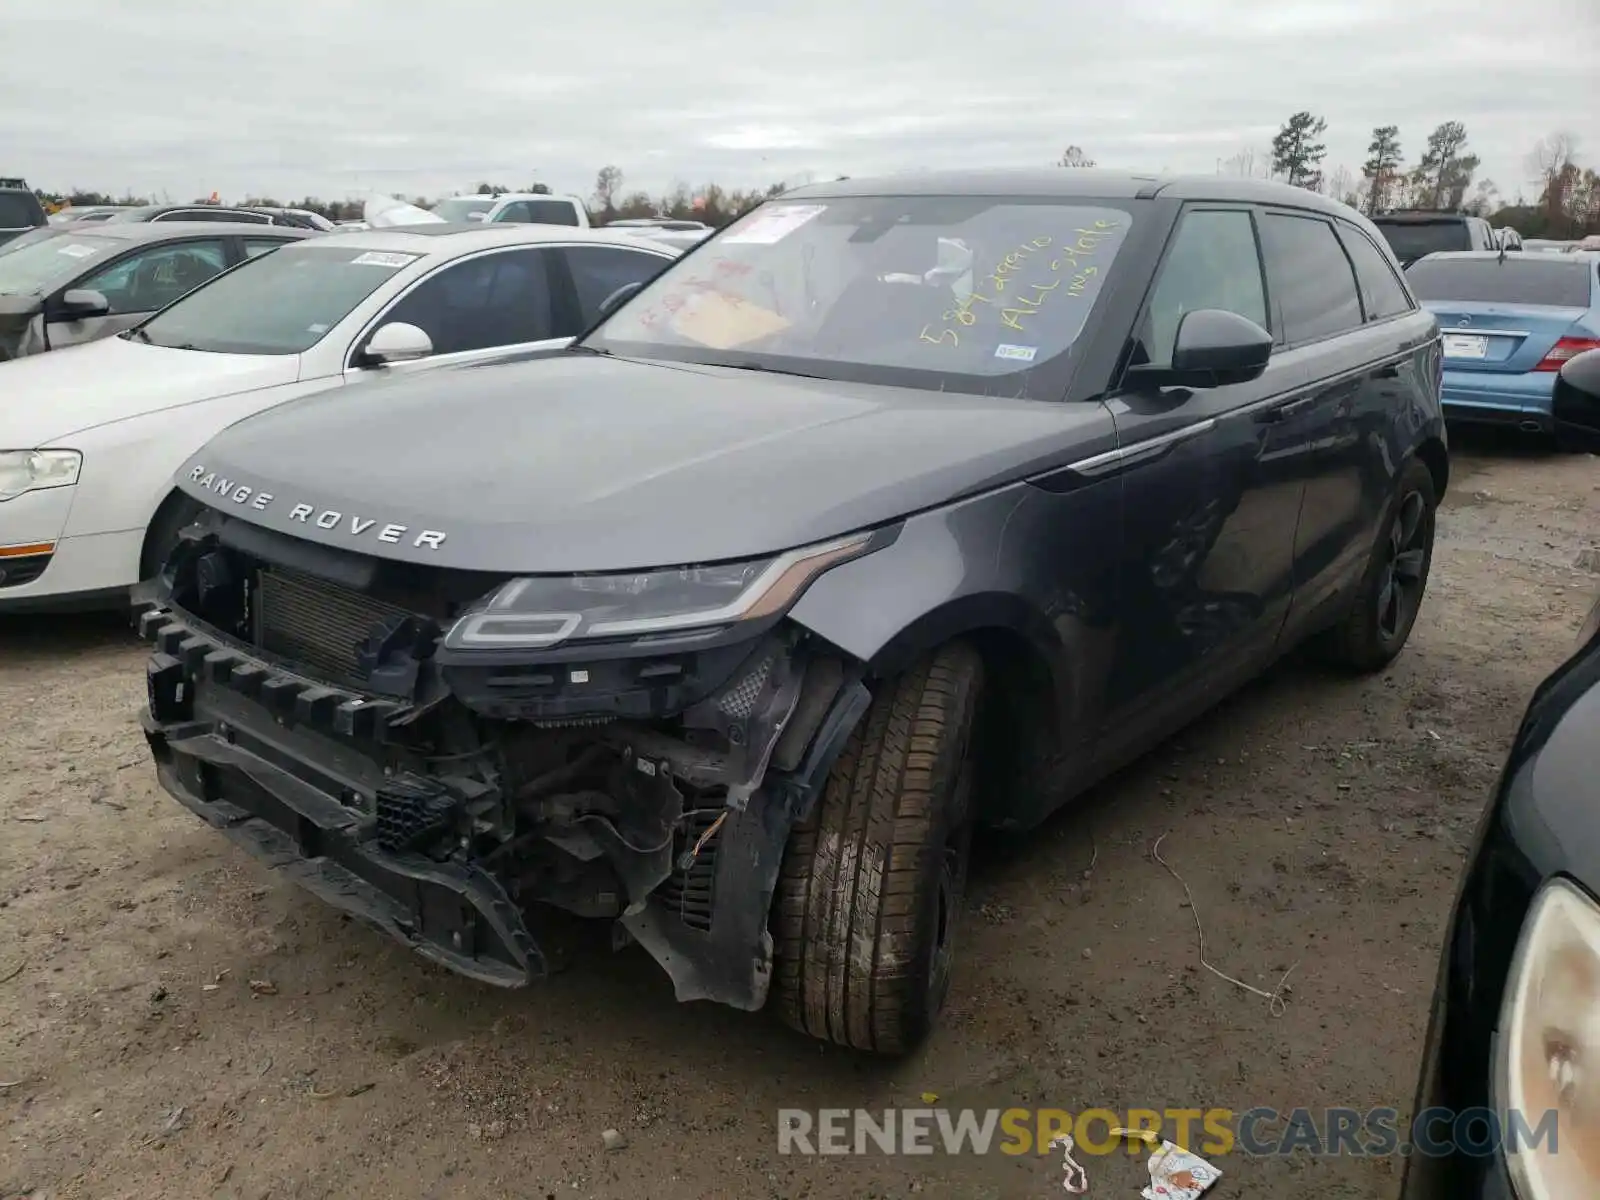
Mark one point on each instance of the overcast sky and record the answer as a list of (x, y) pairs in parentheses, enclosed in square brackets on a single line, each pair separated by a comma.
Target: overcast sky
[(331, 97)]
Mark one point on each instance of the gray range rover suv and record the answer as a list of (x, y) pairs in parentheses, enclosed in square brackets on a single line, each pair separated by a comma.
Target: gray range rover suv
[(896, 508)]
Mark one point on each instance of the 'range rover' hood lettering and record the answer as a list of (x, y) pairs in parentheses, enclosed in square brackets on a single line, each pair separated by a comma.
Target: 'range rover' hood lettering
[(327, 518), (578, 463)]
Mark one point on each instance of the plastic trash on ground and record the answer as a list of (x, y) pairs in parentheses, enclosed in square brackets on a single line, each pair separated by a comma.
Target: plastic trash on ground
[(1176, 1174)]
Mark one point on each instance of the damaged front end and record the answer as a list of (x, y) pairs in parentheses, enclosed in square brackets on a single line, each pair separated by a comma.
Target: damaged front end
[(441, 752)]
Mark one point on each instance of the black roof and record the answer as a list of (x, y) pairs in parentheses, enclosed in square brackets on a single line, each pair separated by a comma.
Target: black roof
[(159, 231), (1069, 183)]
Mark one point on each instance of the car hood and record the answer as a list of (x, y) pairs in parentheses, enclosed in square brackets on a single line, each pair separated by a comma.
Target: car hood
[(1549, 792), (581, 463), (46, 397)]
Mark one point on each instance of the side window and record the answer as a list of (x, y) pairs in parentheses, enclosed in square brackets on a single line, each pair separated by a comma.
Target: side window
[(552, 212), (1312, 281), (154, 278), (1212, 263), (249, 218), (254, 246), (1381, 293), (597, 271), (539, 212), (492, 300)]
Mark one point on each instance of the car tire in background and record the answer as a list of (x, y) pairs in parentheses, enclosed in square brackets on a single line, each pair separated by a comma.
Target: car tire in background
[(870, 893), (176, 512), (1380, 620)]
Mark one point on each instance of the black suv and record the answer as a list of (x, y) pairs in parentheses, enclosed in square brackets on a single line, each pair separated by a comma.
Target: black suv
[(20, 209), (896, 508), (1413, 233)]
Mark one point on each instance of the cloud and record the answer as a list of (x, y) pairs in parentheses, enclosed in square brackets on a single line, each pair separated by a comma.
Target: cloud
[(329, 97)]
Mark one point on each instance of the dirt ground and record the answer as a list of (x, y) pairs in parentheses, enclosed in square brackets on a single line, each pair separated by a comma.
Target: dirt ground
[(176, 1022)]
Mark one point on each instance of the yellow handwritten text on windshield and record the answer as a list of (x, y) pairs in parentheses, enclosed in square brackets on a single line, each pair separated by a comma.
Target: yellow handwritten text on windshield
[(1023, 279)]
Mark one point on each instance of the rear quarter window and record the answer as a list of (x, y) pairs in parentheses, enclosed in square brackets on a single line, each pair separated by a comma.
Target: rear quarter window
[(1516, 280), (1381, 293)]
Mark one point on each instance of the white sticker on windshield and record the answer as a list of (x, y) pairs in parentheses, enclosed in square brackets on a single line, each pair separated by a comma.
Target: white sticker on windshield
[(74, 250), (377, 258), (1019, 353), (319, 327), (775, 223)]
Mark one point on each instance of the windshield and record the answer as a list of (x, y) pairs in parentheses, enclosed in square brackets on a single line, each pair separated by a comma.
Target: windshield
[(957, 292), (52, 260), (1517, 280), (1410, 240), (458, 209), (281, 302)]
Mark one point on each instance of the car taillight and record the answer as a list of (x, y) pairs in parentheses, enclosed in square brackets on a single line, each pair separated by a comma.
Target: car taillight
[(1567, 347)]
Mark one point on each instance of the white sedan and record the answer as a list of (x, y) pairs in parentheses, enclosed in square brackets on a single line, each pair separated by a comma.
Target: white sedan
[(90, 437)]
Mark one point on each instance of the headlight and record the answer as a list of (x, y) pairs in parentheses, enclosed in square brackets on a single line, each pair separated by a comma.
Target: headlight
[(1550, 1048), (540, 611), (29, 470)]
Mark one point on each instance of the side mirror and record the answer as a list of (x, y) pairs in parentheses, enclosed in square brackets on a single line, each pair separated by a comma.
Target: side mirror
[(77, 304), (614, 301), (1575, 403), (396, 342), (1213, 348)]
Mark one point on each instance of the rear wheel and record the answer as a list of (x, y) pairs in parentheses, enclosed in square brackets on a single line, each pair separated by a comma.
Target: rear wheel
[(871, 890), (1385, 609)]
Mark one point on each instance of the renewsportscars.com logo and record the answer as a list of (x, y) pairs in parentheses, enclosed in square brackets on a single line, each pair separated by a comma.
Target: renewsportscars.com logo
[(1214, 1132)]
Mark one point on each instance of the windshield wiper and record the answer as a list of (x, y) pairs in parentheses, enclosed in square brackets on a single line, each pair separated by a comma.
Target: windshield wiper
[(140, 334)]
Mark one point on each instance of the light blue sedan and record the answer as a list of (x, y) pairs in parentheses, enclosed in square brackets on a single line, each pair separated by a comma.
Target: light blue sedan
[(1508, 320)]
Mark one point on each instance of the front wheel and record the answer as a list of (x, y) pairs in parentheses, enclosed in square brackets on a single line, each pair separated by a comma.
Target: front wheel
[(872, 883), (1386, 606)]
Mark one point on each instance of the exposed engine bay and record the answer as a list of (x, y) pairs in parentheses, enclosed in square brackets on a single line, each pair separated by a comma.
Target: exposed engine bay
[(308, 708)]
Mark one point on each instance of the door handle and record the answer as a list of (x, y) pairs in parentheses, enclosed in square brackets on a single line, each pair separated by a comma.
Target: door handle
[(1271, 416)]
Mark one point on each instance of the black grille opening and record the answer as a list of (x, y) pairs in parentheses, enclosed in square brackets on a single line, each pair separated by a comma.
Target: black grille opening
[(24, 568), (690, 894), (318, 624)]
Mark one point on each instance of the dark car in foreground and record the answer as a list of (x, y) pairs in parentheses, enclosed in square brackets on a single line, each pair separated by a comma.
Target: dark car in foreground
[(72, 286), (20, 209), (1508, 323), (1515, 1029), (895, 508), (1414, 233)]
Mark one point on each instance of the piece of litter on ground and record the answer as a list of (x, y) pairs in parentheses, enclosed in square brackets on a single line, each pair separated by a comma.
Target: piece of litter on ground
[(1076, 1179), (263, 987), (31, 818), (1177, 1174), (209, 987), (612, 1139)]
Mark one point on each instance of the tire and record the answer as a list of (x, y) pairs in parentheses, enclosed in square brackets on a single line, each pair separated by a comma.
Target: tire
[(1385, 609), (869, 896), (176, 512)]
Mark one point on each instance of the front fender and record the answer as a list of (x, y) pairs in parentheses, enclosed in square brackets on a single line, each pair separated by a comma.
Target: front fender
[(1027, 573)]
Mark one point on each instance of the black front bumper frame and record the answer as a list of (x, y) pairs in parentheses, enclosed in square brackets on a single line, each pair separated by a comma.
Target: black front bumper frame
[(277, 763), (261, 755)]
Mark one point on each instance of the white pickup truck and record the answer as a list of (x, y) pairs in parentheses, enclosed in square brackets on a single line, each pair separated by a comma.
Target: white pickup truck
[(523, 208)]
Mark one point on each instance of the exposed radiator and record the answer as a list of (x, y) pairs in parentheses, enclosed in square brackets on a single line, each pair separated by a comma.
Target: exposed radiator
[(316, 623)]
